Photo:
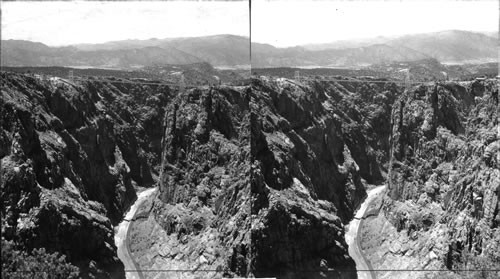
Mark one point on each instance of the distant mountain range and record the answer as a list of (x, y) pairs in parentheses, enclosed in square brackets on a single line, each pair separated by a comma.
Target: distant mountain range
[(452, 46), (234, 51), (219, 50), (362, 42)]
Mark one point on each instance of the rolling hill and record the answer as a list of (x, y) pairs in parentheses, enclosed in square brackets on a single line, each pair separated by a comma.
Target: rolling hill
[(220, 50), (451, 46), (454, 47), (25, 53)]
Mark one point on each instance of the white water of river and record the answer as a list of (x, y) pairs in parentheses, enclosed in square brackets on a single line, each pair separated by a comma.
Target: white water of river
[(121, 235), (351, 236)]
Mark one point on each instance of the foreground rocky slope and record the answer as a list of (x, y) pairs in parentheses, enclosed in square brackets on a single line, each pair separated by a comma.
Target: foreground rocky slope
[(444, 177), (70, 156)]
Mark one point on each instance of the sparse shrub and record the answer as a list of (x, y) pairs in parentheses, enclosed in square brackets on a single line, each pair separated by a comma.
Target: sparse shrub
[(421, 220), (476, 266), (417, 219), (37, 264)]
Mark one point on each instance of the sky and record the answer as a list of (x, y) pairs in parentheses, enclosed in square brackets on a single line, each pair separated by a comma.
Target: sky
[(280, 23), (290, 23), (64, 23)]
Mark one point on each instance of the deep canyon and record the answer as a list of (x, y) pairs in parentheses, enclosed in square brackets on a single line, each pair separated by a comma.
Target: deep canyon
[(258, 180)]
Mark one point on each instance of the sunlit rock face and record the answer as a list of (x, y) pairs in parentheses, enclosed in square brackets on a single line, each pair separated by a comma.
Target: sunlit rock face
[(444, 176), (254, 180), (272, 172), (204, 201), (70, 155), (314, 146)]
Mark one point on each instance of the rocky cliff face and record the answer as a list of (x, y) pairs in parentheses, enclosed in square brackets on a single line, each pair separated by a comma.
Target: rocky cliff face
[(253, 180), (260, 181), (444, 176), (70, 156), (311, 158), (204, 201)]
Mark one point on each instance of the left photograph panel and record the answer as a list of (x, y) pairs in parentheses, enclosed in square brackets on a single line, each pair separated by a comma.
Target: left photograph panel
[(125, 139)]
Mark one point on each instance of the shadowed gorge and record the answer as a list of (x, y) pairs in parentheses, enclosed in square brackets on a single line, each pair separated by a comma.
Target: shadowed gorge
[(315, 146), (257, 180), (260, 180), (250, 139), (444, 173), (71, 156), (440, 214)]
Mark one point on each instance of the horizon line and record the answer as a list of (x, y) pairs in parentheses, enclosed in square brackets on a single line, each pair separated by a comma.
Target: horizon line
[(256, 42)]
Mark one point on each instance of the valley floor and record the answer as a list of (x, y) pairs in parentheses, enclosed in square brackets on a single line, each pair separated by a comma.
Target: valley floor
[(353, 235), (162, 255), (122, 232), (402, 254)]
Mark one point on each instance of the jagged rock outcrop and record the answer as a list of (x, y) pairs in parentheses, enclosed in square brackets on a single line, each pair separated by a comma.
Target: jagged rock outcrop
[(203, 208), (260, 181), (444, 173), (311, 150), (70, 155)]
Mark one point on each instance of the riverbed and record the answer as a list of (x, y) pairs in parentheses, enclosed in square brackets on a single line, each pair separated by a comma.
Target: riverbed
[(351, 237), (131, 270)]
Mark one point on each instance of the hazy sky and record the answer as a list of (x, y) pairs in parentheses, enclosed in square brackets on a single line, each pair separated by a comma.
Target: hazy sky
[(63, 23), (287, 23), (281, 23)]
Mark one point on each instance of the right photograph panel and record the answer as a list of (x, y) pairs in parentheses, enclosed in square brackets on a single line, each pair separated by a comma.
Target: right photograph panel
[(375, 142)]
